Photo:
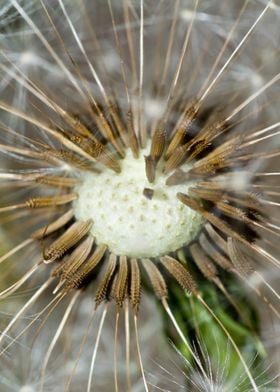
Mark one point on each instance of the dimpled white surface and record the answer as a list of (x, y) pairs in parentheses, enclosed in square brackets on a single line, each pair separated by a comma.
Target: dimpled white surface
[(128, 222)]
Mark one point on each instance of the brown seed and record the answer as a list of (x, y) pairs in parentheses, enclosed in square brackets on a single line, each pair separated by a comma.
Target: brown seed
[(148, 193), (210, 249), (101, 292), (176, 159), (156, 278), (213, 219), (216, 238), (182, 127), (216, 159), (179, 272), (132, 139), (68, 268), (203, 262), (242, 263), (55, 181), (66, 241), (41, 202), (121, 283), (158, 144), (67, 157), (87, 267), (135, 285), (150, 165)]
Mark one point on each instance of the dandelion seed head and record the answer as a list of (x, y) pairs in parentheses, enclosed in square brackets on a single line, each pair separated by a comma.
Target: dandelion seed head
[(137, 139)]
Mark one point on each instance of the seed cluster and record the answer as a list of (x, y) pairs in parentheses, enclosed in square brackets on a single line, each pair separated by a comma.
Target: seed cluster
[(131, 203)]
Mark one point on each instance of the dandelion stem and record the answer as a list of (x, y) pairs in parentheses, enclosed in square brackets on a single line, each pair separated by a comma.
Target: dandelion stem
[(89, 385), (127, 345), (26, 306), (139, 354), (55, 301), (115, 351), (56, 336), (84, 338)]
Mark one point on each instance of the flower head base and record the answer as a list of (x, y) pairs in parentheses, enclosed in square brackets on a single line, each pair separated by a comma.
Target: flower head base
[(132, 216)]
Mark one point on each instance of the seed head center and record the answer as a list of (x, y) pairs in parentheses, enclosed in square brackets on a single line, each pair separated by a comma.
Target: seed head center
[(132, 216)]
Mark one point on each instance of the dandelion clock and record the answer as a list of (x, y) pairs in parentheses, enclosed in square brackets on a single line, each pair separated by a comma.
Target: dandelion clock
[(139, 199)]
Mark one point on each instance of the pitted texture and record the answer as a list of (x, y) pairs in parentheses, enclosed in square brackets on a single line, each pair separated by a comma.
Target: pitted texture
[(127, 221)]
